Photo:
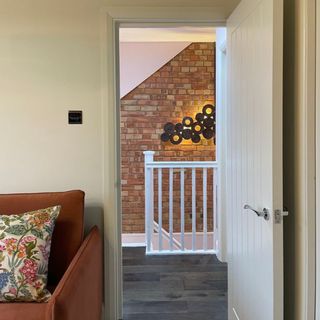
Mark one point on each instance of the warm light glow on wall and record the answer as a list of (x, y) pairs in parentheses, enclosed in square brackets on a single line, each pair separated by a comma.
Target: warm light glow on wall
[(202, 127)]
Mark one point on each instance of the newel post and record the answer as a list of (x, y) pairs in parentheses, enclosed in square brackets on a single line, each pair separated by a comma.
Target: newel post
[(149, 198)]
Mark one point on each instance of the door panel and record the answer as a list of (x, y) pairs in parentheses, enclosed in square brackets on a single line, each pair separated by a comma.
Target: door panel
[(254, 165)]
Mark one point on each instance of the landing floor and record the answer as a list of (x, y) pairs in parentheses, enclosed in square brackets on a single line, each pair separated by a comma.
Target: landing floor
[(189, 287)]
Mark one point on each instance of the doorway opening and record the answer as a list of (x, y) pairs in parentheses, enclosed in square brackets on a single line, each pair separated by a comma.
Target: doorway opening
[(170, 174)]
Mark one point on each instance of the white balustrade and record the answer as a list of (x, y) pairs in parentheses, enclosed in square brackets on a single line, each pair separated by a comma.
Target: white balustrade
[(173, 241)]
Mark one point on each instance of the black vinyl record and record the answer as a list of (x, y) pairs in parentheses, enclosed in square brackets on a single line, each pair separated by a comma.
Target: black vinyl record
[(195, 138), (208, 133), (208, 109), (187, 122), (186, 134), (179, 127), (199, 117), (176, 138), (169, 127), (165, 137), (197, 127), (208, 122)]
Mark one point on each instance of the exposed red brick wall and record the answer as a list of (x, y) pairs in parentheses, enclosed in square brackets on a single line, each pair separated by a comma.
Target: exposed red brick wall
[(180, 88)]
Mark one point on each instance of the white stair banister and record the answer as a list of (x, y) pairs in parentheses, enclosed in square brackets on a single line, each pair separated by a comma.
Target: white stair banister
[(166, 236), (149, 198), (205, 219), (171, 207), (161, 236), (182, 207), (215, 206), (160, 207), (194, 206)]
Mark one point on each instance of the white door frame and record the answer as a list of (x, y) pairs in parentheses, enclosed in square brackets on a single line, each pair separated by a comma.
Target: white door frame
[(306, 203), (111, 18), (221, 102), (314, 13), (301, 21)]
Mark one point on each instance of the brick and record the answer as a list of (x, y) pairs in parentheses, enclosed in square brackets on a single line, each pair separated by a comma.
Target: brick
[(199, 63), (148, 108), (141, 97), (179, 103), (204, 46), (165, 74), (185, 69), (128, 102), (178, 89)]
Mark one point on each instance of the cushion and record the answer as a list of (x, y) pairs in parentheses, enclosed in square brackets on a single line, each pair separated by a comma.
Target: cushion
[(68, 231), (25, 241)]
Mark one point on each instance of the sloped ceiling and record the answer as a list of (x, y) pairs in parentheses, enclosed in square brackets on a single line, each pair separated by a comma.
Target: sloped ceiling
[(139, 60), (145, 50)]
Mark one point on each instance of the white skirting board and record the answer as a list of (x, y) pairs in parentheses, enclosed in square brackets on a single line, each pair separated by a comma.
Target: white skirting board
[(133, 240), (138, 240)]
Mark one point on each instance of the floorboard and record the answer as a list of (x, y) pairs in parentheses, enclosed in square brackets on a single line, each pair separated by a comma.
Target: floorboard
[(182, 287)]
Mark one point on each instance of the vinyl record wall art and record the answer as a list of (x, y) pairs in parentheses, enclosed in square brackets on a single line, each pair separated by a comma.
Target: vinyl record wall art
[(204, 124)]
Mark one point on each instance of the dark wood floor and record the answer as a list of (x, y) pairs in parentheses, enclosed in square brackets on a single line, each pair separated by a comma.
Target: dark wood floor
[(185, 287)]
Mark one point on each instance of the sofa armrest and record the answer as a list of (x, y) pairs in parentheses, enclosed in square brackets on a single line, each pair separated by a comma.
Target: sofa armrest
[(79, 293)]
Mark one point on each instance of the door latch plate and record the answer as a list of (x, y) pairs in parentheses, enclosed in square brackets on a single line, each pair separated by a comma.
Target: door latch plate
[(278, 215)]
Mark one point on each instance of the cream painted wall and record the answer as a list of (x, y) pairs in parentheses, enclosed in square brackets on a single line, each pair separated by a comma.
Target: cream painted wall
[(49, 64)]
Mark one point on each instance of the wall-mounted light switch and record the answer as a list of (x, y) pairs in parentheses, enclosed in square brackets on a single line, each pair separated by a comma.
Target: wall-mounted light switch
[(75, 117)]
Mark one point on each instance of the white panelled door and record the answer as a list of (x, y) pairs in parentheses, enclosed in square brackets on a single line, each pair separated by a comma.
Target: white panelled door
[(254, 160)]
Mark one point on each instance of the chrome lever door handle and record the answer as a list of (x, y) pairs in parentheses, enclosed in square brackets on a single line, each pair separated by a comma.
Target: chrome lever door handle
[(264, 213)]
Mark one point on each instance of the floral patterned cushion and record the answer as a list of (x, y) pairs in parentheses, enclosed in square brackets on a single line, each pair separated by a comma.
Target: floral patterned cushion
[(25, 241)]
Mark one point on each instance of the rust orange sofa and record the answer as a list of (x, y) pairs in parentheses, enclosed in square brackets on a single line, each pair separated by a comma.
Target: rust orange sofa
[(75, 265)]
